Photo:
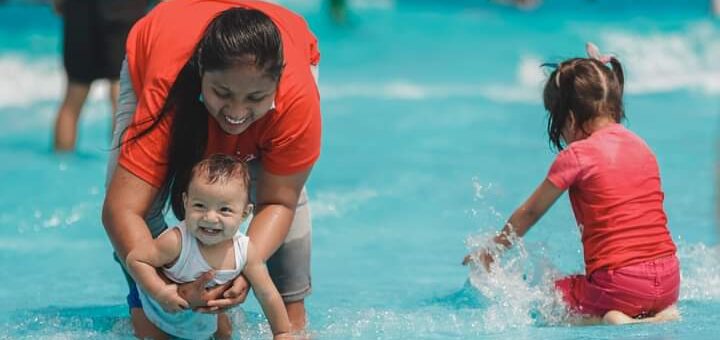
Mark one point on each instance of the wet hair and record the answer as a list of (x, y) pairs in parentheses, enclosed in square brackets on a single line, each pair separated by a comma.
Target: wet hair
[(220, 168), (586, 87), (237, 36)]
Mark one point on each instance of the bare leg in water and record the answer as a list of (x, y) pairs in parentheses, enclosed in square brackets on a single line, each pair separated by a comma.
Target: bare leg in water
[(69, 113), (614, 317)]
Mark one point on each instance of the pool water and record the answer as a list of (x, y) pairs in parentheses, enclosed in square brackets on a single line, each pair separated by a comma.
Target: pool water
[(433, 133)]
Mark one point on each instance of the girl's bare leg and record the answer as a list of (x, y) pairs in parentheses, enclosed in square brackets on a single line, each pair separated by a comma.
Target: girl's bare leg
[(614, 317)]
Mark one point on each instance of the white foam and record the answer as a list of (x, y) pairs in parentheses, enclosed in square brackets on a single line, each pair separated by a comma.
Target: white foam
[(26, 82), (517, 287), (336, 204), (665, 62), (700, 267), (654, 63), (525, 88)]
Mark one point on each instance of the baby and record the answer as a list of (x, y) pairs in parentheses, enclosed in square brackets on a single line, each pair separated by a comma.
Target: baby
[(216, 203)]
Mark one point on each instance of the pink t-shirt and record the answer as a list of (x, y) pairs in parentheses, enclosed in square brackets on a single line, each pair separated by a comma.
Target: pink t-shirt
[(615, 192)]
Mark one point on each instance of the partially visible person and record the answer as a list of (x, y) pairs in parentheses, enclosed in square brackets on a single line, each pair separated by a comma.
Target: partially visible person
[(632, 273), (715, 7), (338, 11), (217, 201), (521, 4), (94, 34)]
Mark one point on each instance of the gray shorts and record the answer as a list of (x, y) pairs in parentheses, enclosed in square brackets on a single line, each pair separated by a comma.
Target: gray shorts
[(290, 265)]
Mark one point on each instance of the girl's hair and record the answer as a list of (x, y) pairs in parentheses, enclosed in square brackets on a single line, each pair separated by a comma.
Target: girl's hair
[(586, 87), (237, 36)]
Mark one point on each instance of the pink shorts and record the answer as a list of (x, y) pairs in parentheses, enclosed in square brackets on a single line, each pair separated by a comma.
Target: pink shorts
[(640, 289)]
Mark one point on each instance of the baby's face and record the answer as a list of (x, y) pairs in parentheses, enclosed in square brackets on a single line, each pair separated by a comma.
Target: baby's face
[(214, 212)]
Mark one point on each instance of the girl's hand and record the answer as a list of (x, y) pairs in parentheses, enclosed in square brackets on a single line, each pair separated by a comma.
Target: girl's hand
[(483, 256), (169, 299)]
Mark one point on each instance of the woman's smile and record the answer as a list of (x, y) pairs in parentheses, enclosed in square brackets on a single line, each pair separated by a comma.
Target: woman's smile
[(237, 121)]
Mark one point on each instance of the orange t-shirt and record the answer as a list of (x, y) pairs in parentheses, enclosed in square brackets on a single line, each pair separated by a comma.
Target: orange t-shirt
[(286, 140)]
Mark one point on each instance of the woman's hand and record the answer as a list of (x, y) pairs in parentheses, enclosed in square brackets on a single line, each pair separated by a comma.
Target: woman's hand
[(227, 297), (195, 292), (169, 299), (216, 299)]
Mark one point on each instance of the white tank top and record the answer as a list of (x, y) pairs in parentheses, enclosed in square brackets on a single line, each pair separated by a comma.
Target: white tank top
[(188, 267), (191, 263)]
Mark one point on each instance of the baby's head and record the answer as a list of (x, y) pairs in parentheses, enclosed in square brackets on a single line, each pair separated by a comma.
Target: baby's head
[(580, 90), (217, 199)]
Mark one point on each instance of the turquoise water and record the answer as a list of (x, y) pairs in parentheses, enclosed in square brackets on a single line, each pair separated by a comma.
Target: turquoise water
[(433, 133)]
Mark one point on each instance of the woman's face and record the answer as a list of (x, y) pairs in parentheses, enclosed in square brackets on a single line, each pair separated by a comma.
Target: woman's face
[(238, 96)]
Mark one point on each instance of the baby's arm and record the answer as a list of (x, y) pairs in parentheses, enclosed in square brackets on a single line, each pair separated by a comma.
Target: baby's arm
[(267, 294), (143, 261), (524, 217)]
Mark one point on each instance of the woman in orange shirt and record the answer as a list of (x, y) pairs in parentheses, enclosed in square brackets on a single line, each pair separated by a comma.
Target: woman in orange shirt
[(219, 76)]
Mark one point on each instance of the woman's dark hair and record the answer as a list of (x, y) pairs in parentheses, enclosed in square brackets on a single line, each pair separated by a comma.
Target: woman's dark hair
[(236, 36), (586, 87)]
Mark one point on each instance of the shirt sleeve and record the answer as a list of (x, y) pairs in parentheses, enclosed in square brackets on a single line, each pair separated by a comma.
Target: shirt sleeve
[(565, 170), (146, 155), (292, 144)]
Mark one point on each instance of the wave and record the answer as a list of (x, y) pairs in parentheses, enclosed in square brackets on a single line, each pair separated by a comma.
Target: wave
[(669, 61), (28, 82), (654, 63), (336, 204)]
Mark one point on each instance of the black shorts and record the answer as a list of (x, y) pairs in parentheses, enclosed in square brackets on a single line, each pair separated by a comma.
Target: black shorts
[(94, 36)]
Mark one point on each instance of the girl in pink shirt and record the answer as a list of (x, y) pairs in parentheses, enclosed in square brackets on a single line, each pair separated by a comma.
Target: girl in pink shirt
[(631, 271)]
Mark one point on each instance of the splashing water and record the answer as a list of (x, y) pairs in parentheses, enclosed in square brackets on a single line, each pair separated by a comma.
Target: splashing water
[(519, 286)]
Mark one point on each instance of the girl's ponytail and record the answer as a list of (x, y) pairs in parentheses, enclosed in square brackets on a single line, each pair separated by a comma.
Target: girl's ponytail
[(619, 74)]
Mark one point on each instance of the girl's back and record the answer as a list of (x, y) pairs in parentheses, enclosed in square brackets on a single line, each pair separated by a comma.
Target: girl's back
[(615, 191)]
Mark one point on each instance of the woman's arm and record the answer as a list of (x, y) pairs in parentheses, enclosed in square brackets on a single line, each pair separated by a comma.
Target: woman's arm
[(127, 201), (265, 291), (276, 200), (523, 218)]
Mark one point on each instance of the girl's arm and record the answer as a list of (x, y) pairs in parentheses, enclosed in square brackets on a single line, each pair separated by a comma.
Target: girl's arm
[(523, 218), (265, 291), (143, 261)]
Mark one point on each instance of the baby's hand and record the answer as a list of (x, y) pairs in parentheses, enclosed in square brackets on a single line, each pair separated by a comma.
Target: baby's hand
[(169, 299)]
